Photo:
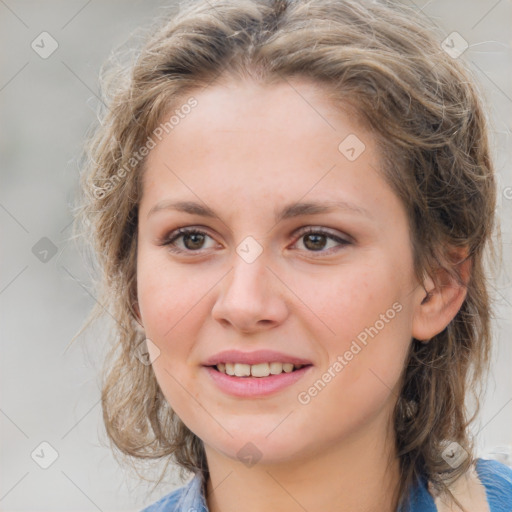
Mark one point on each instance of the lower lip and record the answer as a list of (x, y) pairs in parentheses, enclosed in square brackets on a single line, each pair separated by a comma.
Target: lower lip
[(255, 386)]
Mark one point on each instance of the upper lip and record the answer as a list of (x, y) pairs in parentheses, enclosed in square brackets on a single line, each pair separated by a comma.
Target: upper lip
[(256, 357)]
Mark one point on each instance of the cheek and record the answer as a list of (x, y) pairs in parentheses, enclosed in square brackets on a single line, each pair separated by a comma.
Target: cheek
[(171, 312), (165, 293), (365, 328), (349, 299), (174, 302), (166, 302)]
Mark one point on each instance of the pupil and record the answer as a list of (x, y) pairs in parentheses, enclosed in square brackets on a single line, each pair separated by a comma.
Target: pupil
[(191, 236), (317, 238)]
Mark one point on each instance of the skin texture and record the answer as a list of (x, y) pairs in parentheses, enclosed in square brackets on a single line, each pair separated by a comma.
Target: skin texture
[(245, 151)]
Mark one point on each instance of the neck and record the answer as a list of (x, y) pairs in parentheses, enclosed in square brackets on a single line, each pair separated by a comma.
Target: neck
[(357, 475)]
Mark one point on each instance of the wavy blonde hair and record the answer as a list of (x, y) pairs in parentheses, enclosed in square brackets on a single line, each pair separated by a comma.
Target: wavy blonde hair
[(427, 116)]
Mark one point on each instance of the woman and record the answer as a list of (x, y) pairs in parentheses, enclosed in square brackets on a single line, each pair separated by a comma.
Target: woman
[(290, 203)]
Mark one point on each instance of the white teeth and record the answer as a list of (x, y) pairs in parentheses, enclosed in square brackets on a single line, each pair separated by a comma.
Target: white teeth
[(256, 370), (242, 370), (288, 367), (276, 368), (260, 370)]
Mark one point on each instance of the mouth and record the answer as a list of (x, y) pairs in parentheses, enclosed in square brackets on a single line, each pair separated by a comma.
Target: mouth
[(260, 370), (256, 381)]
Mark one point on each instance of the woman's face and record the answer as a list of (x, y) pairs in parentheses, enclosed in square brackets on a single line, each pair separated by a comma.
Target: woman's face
[(330, 286)]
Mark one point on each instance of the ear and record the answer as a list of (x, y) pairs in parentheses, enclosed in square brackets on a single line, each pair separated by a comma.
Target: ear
[(438, 301)]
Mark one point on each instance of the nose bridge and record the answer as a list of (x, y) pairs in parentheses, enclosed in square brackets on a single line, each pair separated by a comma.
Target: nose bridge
[(249, 297), (248, 281), (249, 265)]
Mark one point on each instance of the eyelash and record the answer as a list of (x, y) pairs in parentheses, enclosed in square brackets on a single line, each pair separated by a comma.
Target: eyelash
[(171, 238)]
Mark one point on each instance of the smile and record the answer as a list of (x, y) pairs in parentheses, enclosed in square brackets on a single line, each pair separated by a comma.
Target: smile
[(257, 370)]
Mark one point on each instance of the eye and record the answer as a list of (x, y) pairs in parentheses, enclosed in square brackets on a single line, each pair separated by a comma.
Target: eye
[(316, 239), (193, 240)]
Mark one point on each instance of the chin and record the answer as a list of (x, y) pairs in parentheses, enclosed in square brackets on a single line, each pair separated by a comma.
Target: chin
[(259, 449)]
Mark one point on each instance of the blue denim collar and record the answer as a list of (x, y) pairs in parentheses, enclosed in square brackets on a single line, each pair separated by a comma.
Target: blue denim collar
[(496, 478), (420, 500), (193, 498)]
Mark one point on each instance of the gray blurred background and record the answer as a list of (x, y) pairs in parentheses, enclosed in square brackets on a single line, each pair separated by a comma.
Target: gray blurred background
[(49, 392)]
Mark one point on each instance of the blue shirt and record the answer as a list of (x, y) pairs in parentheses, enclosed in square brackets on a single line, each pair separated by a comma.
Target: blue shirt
[(496, 478)]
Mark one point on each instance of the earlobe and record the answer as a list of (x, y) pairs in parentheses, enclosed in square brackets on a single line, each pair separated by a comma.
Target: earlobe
[(439, 301)]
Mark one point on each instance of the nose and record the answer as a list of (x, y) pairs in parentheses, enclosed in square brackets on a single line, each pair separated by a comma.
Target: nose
[(251, 298)]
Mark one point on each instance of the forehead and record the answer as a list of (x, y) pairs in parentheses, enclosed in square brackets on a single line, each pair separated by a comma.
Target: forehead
[(282, 116), (245, 143)]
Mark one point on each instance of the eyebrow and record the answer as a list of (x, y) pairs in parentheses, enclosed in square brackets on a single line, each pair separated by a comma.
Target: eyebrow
[(290, 211)]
